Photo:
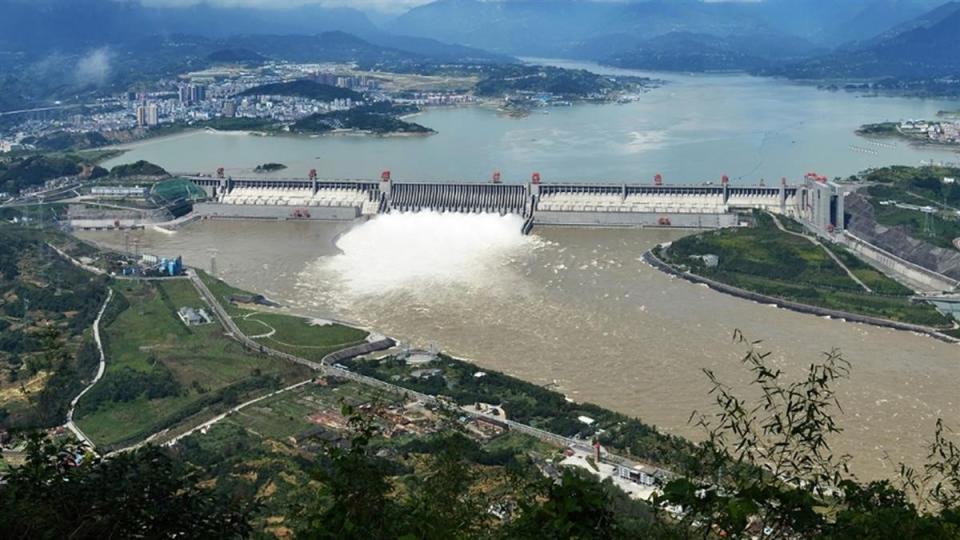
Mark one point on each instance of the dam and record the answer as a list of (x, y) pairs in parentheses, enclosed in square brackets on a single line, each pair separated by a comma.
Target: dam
[(656, 204)]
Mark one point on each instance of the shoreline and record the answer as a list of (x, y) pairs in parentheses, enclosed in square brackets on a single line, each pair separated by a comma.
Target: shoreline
[(650, 258)]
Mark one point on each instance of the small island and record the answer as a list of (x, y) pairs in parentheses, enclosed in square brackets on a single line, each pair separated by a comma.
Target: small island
[(269, 167), (382, 118)]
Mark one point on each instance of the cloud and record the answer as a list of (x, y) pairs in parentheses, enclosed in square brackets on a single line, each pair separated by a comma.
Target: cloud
[(94, 68)]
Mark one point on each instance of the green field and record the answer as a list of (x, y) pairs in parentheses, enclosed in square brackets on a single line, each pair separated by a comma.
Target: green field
[(287, 333), (766, 260), (160, 372)]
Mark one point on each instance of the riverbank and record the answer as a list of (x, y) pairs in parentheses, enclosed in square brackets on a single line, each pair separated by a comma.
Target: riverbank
[(654, 261)]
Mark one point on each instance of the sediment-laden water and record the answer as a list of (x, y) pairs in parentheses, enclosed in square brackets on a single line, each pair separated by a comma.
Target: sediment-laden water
[(576, 308)]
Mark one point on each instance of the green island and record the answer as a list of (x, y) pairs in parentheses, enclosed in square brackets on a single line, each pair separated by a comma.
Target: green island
[(379, 119), (269, 167), (784, 264), (268, 448), (882, 129)]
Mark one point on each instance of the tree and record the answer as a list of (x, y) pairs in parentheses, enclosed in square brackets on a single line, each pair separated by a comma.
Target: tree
[(441, 502), (767, 467), (63, 491), (354, 501), (576, 507)]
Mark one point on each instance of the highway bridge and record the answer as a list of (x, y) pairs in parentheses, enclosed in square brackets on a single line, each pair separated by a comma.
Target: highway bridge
[(653, 204)]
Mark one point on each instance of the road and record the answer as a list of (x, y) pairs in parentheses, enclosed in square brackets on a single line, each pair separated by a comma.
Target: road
[(234, 410), (831, 254), (100, 370)]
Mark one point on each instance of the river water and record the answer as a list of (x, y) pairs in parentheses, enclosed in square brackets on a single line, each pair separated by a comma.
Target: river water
[(693, 129), (576, 308)]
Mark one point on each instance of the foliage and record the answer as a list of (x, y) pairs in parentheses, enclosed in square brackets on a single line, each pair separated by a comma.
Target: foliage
[(766, 464), (444, 500), (140, 168), (571, 83), (21, 173), (48, 305), (768, 261), (532, 404), (305, 89), (126, 384), (372, 118), (356, 485), (141, 494)]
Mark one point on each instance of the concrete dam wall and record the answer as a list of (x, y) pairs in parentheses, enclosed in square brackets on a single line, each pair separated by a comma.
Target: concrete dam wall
[(599, 205)]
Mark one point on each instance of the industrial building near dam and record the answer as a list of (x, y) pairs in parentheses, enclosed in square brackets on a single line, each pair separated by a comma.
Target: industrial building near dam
[(816, 201)]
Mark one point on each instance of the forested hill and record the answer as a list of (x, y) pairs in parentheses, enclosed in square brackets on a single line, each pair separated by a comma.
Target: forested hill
[(305, 89), (47, 306)]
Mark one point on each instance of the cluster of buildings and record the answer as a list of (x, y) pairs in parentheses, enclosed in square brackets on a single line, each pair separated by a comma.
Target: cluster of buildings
[(198, 96), (940, 132), (153, 266)]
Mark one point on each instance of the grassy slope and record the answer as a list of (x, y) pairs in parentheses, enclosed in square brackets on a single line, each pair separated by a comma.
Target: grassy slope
[(768, 261), (202, 359), (294, 335)]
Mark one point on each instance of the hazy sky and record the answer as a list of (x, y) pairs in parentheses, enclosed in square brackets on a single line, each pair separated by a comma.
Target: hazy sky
[(378, 5), (392, 6)]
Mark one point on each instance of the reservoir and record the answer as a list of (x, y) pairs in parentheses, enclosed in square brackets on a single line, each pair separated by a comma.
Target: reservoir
[(693, 129), (577, 308)]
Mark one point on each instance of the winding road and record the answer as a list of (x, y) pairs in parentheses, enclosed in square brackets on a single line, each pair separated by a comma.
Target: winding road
[(71, 425)]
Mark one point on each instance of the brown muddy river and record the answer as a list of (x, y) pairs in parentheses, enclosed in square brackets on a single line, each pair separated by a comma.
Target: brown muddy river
[(575, 308)]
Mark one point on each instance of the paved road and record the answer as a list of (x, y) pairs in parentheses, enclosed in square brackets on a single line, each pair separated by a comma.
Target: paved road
[(240, 407), (816, 242), (103, 366)]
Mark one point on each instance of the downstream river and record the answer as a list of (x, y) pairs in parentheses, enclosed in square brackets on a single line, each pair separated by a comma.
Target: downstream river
[(574, 308), (577, 308), (693, 129)]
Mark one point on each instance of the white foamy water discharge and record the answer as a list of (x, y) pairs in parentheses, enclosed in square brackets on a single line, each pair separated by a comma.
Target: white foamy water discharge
[(405, 252)]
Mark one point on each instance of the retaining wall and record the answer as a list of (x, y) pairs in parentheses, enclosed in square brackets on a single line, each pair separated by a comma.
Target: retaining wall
[(634, 219), (317, 213), (654, 261)]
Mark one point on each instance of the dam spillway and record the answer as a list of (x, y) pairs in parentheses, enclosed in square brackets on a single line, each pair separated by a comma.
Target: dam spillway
[(464, 198), (574, 204)]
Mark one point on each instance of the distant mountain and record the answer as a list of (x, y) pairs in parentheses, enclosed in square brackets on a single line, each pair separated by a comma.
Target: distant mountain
[(685, 51), (664, 33), (42, 27), (927, 47), (834, 22), (562, 27), (65, 24)]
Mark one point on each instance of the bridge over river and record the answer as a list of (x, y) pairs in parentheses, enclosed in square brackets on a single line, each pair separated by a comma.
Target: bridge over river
[(654, 204)]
